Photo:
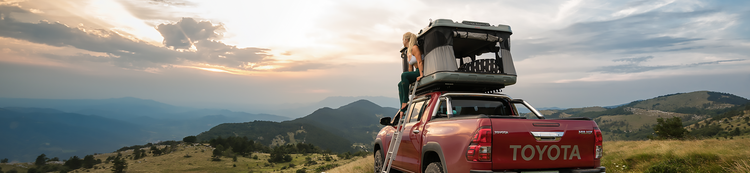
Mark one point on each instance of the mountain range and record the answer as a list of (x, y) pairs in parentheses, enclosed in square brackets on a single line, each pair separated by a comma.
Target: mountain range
[(68, 127), (62, 128)]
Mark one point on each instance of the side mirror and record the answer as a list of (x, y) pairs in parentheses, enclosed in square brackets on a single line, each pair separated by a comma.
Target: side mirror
[(386, 121)]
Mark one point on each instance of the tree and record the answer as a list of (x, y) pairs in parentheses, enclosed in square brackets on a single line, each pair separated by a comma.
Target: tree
[(218, 150), (136, 154), (89, 162), (41, 160), (287, 158), (73, 163), (670, 128), (190, 139), (5, 160), (735, 132), (119, 165), (155, 151)]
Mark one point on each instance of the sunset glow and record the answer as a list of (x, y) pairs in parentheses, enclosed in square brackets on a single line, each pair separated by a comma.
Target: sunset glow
[(574, 48)]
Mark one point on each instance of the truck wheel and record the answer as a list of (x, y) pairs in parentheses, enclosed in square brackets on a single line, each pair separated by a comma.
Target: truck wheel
[(434, 167), (379, 161)]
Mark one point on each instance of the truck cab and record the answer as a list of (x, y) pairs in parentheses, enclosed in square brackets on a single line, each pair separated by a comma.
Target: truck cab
[(459, 122)]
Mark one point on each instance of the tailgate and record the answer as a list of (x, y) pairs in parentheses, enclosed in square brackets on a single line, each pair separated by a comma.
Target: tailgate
[(542, 144)]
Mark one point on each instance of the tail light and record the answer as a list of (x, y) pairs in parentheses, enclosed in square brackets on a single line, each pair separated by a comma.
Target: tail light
[(598, 144), (480, 148)]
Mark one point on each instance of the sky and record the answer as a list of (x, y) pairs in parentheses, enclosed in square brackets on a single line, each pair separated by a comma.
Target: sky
[(251, 54)]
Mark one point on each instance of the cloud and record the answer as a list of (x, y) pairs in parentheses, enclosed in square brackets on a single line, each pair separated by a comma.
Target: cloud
[(634, 60), (186, 32), (135, 54), (635, 67), (171, 2), (157, 10), (642, 32)]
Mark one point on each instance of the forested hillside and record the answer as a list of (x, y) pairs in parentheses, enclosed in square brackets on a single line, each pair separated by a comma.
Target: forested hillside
[(351, 127)]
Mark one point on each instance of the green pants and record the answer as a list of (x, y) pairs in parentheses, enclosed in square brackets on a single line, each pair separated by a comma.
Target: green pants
[(403, 86)]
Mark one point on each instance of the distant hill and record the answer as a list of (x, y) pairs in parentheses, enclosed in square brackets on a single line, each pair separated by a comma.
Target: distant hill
[(162, 121), (634, 121), (333, 102), (682, 102), (29, 132), (355, 124), (128, 108), (118, 108), (359, 121)]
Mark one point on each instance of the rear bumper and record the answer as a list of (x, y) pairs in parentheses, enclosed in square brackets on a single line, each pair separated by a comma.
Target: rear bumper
[(600, 169)]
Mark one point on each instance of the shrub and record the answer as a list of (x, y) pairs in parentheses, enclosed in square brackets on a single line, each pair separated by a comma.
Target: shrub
[(669, 129), (190, 139)]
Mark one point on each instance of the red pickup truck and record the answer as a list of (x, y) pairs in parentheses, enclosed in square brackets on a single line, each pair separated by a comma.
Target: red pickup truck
[(487, 133)]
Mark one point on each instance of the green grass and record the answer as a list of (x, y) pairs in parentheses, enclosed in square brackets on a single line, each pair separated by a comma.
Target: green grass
[(20, 167), (708, 155), (200, 161)]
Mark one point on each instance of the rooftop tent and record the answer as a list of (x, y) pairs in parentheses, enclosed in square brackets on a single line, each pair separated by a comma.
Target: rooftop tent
[(450, 51)]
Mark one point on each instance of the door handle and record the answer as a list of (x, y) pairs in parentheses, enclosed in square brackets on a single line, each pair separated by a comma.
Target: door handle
[(415, 131)]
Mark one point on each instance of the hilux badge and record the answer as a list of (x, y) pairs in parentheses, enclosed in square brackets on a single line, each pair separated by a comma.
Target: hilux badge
[(585, 132)]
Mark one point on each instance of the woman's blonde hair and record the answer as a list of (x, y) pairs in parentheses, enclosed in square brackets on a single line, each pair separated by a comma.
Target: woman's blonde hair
[(412, 41)]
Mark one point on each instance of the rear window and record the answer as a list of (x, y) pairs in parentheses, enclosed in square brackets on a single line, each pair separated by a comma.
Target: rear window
[(467, 106)]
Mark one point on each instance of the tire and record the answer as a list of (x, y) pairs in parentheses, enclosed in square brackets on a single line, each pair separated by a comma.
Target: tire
[(378, 161), (434, 167)]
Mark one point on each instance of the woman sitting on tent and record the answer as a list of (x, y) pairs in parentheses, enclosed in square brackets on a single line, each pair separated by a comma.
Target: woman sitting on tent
[(415, 61)]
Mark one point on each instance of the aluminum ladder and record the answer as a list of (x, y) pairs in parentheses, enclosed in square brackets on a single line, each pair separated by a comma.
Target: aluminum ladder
[(396, 138)]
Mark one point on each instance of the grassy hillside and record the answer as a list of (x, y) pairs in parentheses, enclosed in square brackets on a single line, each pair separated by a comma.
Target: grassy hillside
[(197, 158), (635, 121), (731, 123), (361, 165)]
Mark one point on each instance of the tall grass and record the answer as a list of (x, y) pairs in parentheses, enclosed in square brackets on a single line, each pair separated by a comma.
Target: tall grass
[(708, 155), (363, 165), (740, 166)]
